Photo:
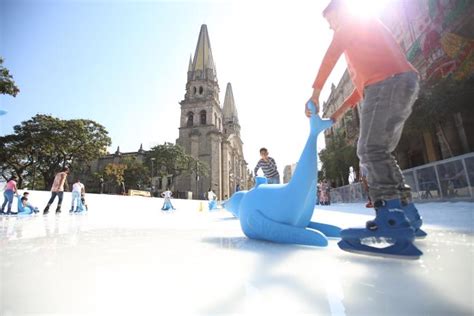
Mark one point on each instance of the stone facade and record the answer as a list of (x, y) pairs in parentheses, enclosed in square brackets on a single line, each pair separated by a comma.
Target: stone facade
[(209, 132)]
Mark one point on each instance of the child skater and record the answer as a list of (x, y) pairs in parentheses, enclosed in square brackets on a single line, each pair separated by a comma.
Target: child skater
[(10, 191), (24, 208), (212, 198), (167, 203), (387, 86), (77, 193), (28, 204)]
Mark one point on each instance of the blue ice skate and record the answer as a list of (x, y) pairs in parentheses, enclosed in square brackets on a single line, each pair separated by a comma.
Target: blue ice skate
[(282, 212), (415, 219), (391, 226)]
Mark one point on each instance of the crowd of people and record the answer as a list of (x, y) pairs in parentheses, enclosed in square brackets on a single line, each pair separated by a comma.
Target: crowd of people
[(24, 207)]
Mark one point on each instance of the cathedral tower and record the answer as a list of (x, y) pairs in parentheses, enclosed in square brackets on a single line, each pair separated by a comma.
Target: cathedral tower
[(208, 132)]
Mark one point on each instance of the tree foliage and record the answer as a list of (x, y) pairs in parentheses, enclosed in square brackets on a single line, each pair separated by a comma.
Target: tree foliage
[(171, 159), (438, 100), (44, 144), (7, 85), (136, 174), (114, 172), (336, 159)]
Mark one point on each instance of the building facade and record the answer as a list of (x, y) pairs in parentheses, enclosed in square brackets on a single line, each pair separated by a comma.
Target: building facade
[(209, 132)]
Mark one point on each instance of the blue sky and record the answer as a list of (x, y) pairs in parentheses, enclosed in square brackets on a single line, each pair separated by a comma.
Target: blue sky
[(124, 63)]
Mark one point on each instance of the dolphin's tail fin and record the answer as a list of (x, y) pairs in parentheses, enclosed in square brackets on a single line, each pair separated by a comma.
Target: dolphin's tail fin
[(260, 227), (326, 229)]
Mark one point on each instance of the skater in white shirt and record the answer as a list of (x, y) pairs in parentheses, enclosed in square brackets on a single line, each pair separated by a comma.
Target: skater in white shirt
[(167, 203), (78, 191)]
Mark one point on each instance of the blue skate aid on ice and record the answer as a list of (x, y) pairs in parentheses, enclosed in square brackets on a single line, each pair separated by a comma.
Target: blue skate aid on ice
[(167, 206), (3, 112), (212, 205), (390, 226), (415, 219), (232, 204), (80, 207), (282, 212), (24, 210)]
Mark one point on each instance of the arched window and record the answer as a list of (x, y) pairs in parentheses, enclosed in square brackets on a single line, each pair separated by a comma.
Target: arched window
[(203, 117), (220, 125), (201, 90), (215, 120), (194, 90), (190, 120)]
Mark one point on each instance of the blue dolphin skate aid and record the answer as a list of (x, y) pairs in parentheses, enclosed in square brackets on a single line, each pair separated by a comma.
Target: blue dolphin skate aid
[(390, 226), (80, 207), (167, 206), (232, 204), (282, 212), (212, 205), (77, 200), (3, 112), (24, 210)]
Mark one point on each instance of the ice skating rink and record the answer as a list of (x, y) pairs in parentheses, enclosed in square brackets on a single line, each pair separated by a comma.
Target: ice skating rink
[(126, 257)]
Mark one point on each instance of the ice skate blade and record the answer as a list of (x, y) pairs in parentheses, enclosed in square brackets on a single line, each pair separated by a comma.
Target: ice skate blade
[(401, 250), (405, 233), (420, 234)]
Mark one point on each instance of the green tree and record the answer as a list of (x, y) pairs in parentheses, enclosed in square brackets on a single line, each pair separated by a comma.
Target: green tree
[(170, 159), (15, 157), (114, 174), (44, 144), (438, 100), (7, 85), (336, 159), (136, 174)]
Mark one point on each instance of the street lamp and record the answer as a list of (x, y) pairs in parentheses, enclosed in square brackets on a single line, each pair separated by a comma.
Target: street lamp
[(35, 158), (197, 181), (152, 161)]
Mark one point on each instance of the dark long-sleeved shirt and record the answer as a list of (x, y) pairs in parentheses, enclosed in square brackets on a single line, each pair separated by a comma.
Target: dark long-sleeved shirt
[(269, 167)]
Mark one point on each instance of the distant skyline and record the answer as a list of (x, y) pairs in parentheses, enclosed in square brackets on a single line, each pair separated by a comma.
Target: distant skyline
[(123, 64)]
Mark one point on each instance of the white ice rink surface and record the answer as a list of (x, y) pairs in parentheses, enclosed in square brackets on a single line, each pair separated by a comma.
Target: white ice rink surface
[(126, 257)]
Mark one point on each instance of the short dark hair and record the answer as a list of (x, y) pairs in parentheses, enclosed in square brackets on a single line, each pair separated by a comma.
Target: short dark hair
[(333, 5), (263, 149), (25, 193), (24, 199)]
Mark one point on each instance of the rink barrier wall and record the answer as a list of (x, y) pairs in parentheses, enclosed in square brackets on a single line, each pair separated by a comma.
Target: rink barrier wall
[(450, 179)]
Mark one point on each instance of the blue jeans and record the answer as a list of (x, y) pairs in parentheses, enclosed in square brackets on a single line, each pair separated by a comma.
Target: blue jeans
[(274, 180), (53, 196), (8, 198), (383, 112)]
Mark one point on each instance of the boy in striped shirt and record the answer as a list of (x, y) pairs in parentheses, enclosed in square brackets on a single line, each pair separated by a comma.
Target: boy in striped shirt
[(268, 166)]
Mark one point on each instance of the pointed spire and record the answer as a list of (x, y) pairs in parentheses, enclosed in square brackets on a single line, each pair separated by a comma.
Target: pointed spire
[(203, 61), (190, 67), (229, 110), (117, 152), (141, 151)]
